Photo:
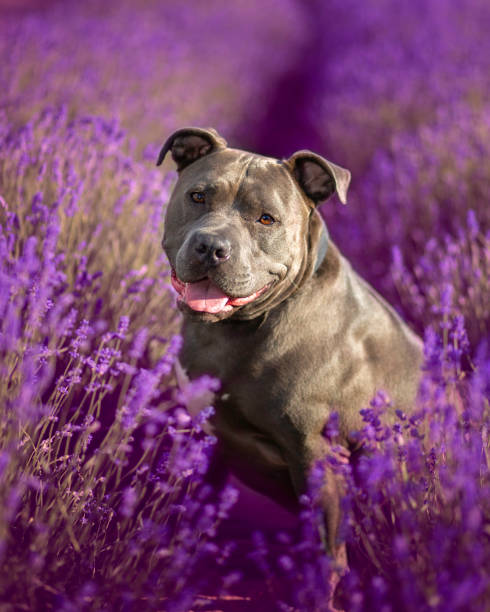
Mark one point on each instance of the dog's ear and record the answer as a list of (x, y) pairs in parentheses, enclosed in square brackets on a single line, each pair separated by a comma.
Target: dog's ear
[(319, 178), (189, 144)]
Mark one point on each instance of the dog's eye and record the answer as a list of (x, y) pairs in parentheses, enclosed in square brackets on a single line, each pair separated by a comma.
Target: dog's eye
[(198, 197), (266, 219)]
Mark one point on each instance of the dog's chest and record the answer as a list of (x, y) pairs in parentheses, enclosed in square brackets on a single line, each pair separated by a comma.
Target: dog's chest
[(254, 387)]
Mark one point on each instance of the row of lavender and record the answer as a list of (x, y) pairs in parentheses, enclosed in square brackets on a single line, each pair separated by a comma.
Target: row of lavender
[(102, 497)]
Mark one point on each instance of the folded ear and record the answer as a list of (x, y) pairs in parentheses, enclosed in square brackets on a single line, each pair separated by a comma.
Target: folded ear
[(189, 144), (319, 178)]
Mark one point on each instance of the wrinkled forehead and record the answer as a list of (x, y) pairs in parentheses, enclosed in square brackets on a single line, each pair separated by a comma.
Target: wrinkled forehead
[(241, 172)]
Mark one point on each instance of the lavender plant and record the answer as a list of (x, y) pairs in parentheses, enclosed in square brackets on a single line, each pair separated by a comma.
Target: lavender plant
[(102, 468), (417, 503)]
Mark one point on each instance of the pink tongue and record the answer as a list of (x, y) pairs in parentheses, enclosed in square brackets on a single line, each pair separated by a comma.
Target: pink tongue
[(204, 297)]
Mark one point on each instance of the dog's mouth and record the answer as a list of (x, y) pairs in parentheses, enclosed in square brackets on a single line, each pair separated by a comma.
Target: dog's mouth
[(205, 296)]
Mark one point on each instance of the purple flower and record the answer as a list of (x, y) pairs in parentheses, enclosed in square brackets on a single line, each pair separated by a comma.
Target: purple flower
[(129, 500), (331, 429)]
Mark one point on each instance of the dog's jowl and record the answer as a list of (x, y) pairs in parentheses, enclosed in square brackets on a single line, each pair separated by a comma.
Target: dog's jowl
[(274, 311)]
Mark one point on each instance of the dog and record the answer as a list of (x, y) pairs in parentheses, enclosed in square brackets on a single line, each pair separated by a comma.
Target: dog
[(272, 309)]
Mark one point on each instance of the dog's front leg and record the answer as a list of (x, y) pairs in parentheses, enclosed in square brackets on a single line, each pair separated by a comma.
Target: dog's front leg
[(300, 464), (313, 450)]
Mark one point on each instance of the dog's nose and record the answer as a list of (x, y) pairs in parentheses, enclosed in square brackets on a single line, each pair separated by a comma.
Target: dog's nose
[(211, 249)]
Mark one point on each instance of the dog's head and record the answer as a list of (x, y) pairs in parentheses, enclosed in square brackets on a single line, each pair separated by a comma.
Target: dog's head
[(241, 229)]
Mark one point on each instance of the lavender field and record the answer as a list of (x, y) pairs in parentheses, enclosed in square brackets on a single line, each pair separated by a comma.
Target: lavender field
[(105, 502)]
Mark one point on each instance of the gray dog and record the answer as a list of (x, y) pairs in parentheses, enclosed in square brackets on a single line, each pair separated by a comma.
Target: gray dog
[(274, 311)]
